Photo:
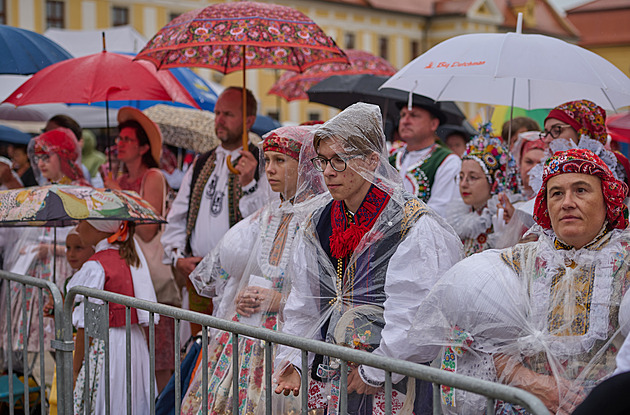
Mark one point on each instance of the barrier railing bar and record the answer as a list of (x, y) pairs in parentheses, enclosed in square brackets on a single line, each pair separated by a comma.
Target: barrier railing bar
[(343, 390), (128, 356), (25, 333), (437, 399), (268, 370), (489, 406), (178, 362), (86, 362), (434, 375), (152, 363), (42, 365), (10, 347), (304, 382), (235, 373), (388, 392), (204, 369), (106, 359)]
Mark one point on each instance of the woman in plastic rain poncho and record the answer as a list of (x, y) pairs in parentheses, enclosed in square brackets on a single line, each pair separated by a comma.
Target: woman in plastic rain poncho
[(361, 266), (247, 273), (56, 158), (546, 316), (488, 170)]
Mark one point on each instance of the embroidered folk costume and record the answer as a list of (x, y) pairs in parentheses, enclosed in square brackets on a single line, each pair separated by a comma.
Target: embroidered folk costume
[(209, 202), (358, 277), (541, 315), (253, 256), (478, 228), (106, 270)]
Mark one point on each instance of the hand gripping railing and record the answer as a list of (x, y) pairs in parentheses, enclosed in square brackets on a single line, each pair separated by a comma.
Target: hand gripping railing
[(438, 377)]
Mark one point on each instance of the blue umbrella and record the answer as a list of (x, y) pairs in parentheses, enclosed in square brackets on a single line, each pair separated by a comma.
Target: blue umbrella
[(13, 136), (264, 124), (24, 52)]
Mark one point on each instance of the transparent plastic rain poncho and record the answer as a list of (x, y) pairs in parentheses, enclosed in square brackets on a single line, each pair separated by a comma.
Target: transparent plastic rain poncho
[(31, 251), (364, 299), (542, 316), (485, 229), (251, 261)]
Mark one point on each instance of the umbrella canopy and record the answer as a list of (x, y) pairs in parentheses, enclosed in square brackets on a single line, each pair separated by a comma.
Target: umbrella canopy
[(24, 52), (187, 128), (341, 91), (293, 86), (526, 71), (618, 126), (13, 135), (63, 205), (234, 36), (277, 37), (104, 76)]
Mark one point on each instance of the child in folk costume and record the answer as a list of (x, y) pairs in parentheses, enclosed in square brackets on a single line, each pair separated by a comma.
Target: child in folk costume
[(117, 266)]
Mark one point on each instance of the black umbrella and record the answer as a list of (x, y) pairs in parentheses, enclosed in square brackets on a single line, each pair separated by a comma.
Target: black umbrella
[(341, 91)]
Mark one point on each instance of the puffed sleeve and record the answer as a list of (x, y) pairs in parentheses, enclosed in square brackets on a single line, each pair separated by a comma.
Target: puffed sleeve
[(91, 275)]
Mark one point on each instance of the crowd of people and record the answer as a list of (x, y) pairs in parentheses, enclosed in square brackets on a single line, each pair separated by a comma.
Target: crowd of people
[(504, 259)]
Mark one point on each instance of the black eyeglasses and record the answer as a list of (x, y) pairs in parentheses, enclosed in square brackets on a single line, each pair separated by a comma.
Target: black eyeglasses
[(337, 163), (555, 131), (43, 157)]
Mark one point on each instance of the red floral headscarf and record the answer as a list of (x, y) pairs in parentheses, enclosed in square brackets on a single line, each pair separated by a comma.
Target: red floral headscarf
[(61, 141), (584, 116), (286, 140), (585, 162)]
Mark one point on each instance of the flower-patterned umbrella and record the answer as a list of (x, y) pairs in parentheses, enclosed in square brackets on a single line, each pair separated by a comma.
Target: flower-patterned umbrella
[(292, 86), (187, 128), (235, 36), (63, 205)]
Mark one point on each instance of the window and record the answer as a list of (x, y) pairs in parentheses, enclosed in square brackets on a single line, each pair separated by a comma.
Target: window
[(55, 14), (415, 49), (383, 48), (349, 40), (314, 116), (3, 12), (120, 16)]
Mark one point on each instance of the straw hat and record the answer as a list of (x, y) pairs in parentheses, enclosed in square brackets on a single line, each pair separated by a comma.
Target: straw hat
[(151, 128)]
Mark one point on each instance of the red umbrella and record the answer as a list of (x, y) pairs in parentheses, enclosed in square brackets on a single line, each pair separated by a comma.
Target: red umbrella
[(618, 126), (220, 35), (103, 76), (293, 86)]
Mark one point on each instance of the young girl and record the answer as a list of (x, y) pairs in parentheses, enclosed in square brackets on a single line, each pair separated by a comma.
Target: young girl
[(116, 267), (77, 253)]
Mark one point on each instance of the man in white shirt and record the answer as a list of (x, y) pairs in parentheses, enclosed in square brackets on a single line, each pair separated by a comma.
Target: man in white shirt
[(211, 199), (428, 169)]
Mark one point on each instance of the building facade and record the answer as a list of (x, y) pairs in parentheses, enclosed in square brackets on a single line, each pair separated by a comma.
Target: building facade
[(396, 30)]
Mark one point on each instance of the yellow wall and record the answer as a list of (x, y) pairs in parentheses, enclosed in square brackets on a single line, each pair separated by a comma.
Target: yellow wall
[(367, 25), (618, 55)]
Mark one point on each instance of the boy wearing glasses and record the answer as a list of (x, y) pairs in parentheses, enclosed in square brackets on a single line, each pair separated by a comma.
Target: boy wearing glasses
[(362, 266)]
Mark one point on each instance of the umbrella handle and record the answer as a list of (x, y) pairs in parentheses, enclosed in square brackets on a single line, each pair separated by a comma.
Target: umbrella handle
[(230, 166)]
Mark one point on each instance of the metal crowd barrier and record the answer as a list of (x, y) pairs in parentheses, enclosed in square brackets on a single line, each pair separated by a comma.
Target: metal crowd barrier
[(8, 279), (438, 377)]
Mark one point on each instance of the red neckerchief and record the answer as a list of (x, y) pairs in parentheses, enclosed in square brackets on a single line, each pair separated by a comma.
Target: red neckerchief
[(345, 237)]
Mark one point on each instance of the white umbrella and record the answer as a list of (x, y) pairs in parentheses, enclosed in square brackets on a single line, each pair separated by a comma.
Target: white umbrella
[(526, 71)]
